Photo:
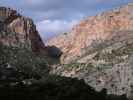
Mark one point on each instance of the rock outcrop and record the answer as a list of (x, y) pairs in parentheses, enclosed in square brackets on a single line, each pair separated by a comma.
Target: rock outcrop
[(97, 28), (100, 50), (16, 30)]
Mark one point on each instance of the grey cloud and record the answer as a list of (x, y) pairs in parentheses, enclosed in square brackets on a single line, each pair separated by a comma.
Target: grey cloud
[(59, 4), (61, 9), (69, 9)]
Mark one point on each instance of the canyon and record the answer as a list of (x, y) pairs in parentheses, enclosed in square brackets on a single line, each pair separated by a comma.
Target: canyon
[(95, 57)]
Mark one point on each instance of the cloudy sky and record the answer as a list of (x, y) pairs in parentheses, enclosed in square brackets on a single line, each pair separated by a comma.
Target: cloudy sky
[(58, 16)]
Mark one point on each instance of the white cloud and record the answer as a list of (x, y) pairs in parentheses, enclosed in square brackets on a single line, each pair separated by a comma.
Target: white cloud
[(48, 28)]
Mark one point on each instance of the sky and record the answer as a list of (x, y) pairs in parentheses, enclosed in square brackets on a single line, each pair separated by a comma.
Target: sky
[(59, 16)]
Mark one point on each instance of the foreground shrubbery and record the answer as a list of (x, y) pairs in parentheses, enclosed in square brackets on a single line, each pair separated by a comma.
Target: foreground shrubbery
[(22, 59), (24, 76), (55, 88)]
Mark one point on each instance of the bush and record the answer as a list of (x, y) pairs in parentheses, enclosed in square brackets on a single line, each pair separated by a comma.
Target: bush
[(22, 59)]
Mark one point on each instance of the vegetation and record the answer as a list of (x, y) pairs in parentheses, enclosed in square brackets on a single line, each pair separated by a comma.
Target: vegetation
[(22, 59), (19, 65)]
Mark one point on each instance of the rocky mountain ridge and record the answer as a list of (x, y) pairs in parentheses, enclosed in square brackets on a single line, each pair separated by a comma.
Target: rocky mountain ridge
[(25, 76), (99, 28), (100, 50), (19, 31)]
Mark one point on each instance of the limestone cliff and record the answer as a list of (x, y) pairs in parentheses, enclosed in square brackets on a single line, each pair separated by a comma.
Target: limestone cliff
[(100, 50), (16, 30), (101, 27)]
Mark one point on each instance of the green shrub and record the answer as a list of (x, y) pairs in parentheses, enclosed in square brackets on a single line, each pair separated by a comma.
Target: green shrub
[(23, 59)]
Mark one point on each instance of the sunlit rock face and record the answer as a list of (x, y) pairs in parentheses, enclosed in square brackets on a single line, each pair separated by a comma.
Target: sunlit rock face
[(17, 30), (101, 27), (100, 50)]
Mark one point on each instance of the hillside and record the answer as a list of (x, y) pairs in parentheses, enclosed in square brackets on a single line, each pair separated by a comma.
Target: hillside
[(94, 30), (100, 50), (24, 66)]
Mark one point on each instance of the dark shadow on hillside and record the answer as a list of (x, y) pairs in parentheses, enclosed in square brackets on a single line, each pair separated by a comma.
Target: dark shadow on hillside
[(55, 53), (26, 87), (26, 77)]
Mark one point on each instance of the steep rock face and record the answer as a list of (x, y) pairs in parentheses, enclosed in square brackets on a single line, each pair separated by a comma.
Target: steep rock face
[(97, 28), (102, 53), (17, 30), (108, 65)]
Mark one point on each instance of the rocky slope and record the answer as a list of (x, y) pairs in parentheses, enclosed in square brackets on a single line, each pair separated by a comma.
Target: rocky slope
[(19, 31), (100, 50), (99, 28)]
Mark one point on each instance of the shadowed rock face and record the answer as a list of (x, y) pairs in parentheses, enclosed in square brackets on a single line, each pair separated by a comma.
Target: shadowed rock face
[(17, 30), (100, 27)]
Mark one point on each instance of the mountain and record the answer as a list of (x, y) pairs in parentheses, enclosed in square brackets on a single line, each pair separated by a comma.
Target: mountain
[(95, 30), (19, 31), (25, 76), (100, 50)]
